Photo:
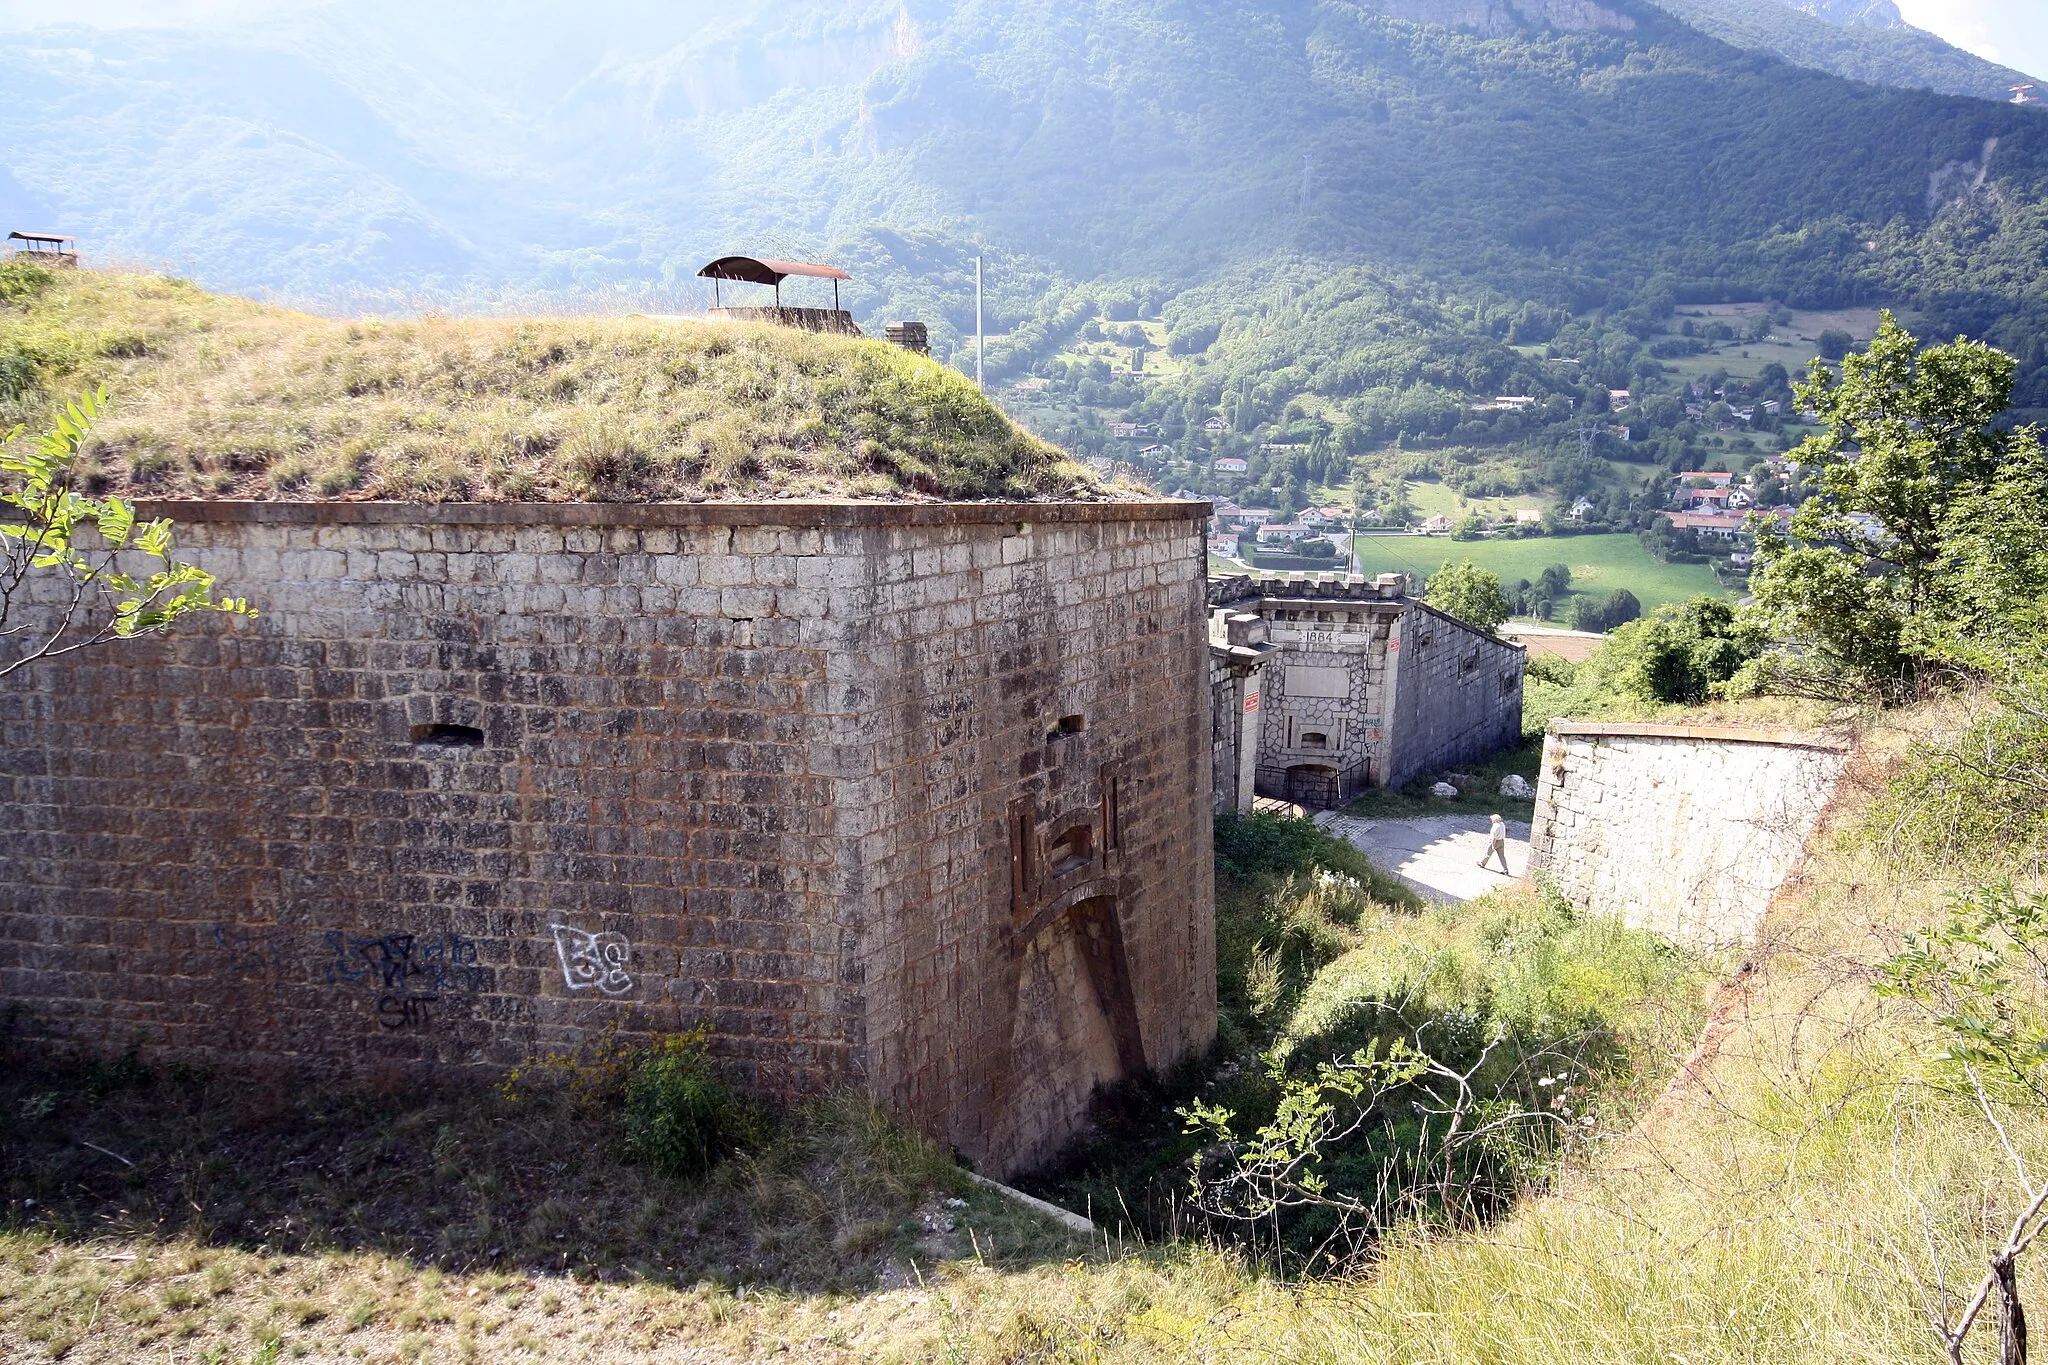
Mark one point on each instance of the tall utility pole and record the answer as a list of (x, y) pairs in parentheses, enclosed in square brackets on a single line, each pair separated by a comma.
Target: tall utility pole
[(980, 341), (1354, 562)]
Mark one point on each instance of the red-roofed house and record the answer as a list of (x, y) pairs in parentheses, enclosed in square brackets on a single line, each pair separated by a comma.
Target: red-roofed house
[(1725, 525)]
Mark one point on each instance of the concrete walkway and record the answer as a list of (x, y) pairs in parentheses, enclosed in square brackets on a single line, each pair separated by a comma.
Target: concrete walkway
[(1437, 855)]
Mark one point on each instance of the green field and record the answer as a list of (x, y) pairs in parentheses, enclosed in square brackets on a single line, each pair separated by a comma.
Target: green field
[(1792, 345), (1430, 499), (1599, 563)]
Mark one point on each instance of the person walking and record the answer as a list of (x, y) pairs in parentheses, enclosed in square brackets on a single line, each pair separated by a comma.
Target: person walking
[(1497, 844)]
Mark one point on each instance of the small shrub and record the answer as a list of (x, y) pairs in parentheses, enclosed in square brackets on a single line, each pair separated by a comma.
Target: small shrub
[(124, 346), (21, 281), (602, 454), (1554, 669), (680, 1117), (18, 378)]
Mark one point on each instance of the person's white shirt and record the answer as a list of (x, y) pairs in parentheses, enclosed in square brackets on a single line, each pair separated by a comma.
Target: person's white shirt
[(1499, 833)]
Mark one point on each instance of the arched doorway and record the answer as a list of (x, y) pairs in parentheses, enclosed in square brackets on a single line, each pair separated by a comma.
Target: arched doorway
[(1075, 1023), (1314, 785)]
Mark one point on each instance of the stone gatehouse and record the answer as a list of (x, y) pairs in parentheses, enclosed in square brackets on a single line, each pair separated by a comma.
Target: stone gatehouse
[(1358, 685), (913, 799)]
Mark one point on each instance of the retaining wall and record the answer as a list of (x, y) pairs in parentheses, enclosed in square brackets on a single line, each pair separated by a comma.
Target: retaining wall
[(909, 798), (1685, 830)]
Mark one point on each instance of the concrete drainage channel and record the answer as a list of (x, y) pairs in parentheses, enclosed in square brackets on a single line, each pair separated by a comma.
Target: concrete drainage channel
[(1066, 1218)]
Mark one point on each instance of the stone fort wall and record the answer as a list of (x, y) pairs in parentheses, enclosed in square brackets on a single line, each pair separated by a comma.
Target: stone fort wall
[(1368, 687), (913, 799), (1458, 695), (1685, 830)]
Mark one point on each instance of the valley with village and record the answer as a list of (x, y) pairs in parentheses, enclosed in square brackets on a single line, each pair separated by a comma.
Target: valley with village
[(1358, 681)]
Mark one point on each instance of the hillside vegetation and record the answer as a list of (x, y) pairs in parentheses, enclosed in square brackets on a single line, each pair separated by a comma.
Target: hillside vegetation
[(1109, 158), (1314, 220), (223, 397), (1894, 54)]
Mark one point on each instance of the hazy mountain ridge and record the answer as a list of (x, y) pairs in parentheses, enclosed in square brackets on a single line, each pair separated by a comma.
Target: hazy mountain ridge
[(1128, 148), (1863, 40), (1865, 13)]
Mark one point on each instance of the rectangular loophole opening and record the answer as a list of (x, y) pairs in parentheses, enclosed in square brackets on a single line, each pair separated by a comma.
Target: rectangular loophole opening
[(1068, 725), (1072, 850), (448, 736)]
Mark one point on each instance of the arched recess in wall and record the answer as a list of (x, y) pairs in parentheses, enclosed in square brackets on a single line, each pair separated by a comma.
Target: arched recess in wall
[(1074, 1022), (1315, 785)]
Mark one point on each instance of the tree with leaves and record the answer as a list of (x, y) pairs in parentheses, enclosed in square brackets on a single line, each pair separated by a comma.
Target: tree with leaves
[(1681, 652), (78, 571), (1859, 595), (1603, 614), (1618, 608), (1470, 593), (1992, 572)]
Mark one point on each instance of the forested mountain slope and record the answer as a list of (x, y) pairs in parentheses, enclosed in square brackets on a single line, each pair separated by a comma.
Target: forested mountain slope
[(1863, 42), (1415, 194)]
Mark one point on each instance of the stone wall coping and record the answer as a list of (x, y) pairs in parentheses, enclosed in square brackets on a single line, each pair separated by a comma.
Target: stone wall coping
[(1733, 734), (1466, 626), (1345, 589), (792, 512)]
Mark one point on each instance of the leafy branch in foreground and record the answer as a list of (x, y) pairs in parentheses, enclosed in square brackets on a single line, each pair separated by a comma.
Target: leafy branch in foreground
[(1981, 979), (101, 600), (1447, 1148)]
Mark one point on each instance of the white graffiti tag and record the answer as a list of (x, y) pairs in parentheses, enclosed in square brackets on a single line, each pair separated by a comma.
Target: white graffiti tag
[(593, 959)]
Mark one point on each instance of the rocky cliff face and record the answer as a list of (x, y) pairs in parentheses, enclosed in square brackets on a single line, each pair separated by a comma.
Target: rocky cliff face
[(1853, 13), (1496, 18)]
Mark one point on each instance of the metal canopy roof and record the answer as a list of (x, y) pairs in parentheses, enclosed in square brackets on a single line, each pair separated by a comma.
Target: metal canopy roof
[(757, 271), (37, 237)]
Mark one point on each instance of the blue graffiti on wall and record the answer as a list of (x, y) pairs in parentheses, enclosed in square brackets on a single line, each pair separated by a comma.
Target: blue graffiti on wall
[(250, 952), (410, 973)]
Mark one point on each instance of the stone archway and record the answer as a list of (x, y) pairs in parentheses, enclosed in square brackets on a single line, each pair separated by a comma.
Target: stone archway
[(1074, 1023), (1315, 785)]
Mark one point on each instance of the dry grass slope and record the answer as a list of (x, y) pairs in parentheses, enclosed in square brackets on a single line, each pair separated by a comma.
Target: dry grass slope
[(222, 397)]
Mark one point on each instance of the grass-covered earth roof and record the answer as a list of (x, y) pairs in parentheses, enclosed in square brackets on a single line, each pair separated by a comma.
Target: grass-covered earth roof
[(224, 397)]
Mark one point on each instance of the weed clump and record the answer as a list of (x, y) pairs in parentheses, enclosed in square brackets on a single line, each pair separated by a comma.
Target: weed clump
[(680, 1117), (1973, 791)]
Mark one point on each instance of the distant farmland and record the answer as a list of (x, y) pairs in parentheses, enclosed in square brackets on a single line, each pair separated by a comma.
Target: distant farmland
[(1599, 563)]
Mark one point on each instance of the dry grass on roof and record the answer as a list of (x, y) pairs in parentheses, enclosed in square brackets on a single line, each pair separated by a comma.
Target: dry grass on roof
[(222, 397)]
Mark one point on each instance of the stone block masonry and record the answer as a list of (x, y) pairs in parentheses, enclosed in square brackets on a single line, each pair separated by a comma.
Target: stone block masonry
[(909, 798), (1238, 654), (1684, 830), (1366, 687)]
